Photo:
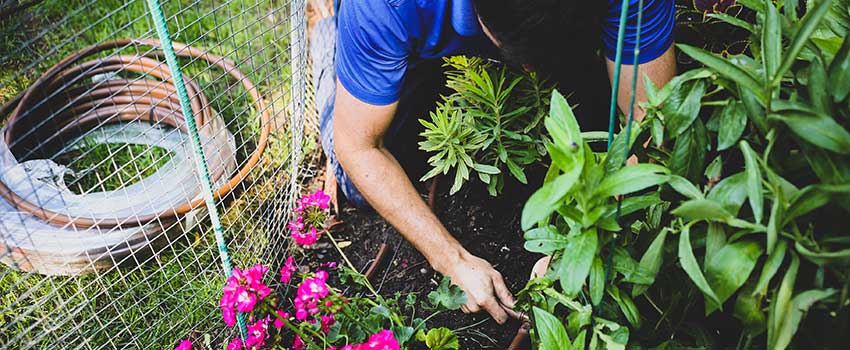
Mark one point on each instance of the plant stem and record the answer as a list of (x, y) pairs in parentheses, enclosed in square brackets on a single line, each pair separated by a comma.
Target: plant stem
[(350, 265), (298, 331)]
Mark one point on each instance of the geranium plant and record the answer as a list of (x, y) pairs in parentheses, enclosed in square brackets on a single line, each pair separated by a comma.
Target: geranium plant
[(319, 316)]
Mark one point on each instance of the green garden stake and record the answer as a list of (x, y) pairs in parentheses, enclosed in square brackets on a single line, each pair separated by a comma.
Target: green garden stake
[(615, 84), (200, 160)]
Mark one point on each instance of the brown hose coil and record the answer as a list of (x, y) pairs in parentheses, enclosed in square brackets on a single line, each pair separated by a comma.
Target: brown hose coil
[(112, 101)]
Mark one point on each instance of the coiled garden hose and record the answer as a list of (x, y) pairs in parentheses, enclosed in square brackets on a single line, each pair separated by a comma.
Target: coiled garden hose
[(91, 105)]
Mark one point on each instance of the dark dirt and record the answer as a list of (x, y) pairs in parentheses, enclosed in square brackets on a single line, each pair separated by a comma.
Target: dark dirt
[(486, 226)]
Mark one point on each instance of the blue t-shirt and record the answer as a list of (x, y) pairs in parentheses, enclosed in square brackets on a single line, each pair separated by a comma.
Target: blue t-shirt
[(379, 39)]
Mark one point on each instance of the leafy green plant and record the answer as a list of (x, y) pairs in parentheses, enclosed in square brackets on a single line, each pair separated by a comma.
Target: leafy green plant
[(747, 161), (489, 125)]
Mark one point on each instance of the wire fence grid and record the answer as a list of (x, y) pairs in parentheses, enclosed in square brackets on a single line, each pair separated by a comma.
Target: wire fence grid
[(104, 239)]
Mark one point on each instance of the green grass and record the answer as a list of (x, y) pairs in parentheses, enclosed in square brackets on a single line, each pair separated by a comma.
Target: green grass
[(109, 166), (152, 302)]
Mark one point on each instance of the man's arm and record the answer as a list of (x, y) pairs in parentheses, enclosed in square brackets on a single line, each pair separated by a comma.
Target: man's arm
[(660, 70), (358, 140)]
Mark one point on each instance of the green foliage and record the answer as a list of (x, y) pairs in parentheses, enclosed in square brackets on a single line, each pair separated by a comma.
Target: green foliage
[(447, 296), (747, 164), (489, 125), (439, 339)]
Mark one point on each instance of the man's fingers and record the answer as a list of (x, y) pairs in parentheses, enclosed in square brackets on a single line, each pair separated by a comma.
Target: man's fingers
[(464, 309), (495, 310), (502, 291)]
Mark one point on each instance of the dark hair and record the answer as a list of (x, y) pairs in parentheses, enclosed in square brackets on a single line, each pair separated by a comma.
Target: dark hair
[(549, 35)]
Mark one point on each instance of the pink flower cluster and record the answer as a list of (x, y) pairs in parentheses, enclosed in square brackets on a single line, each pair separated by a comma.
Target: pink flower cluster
[(184, 345), (383, 340), (312, 210), (310, 295), (242, 292)]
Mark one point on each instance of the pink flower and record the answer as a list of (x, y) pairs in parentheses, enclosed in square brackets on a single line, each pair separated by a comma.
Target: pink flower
[(287, 270), (297, 225), (278, 323), (229, 316), (307, 237), (184, 345), (298, 344), (235, 344), (245, 300), (256, 334), (327, 322), (383, 340)]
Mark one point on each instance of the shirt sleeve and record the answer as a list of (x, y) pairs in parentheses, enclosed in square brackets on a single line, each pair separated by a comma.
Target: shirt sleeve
[(372, 51), (656, 32)]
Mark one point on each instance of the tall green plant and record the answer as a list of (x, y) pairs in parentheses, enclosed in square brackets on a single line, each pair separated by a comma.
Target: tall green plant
[(489, 125), (747, 161)]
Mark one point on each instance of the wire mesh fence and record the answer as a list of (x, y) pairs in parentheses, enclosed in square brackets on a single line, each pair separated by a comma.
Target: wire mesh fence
[(104, 239)]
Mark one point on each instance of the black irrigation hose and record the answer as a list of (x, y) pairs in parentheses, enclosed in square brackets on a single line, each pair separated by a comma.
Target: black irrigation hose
[(113, 101)]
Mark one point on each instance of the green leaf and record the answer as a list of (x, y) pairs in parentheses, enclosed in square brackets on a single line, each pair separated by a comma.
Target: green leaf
[(447, 296), (685, 187), (597, 281), (726, 69), (486, 169), (714, 169), (651, 90), (818, 129), (733, 121), (818, 94), (841, 257), (627, 306), (544, 240), (781, 304), (441, 339), (688, 158), (811, 198), (773, 225), (754, 188), (679, 116), (616, 157), (794, 314), (702, 209), (576, 261), (691, 266), (631, 179), (730, 192), (657, 132), (809, 24), (653, 257), (516, 171), (579, 342), (551, 331), (562, 124), (729, 268), (771, 266), (771, 40), (839, 73), (748, 311), (735, 21), (715, 239), (545, 200)]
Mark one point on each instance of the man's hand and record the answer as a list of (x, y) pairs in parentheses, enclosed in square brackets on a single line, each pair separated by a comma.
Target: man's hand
[(484, 287)]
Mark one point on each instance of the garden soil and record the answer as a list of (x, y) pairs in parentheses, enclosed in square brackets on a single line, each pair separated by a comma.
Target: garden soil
[(489, 227)]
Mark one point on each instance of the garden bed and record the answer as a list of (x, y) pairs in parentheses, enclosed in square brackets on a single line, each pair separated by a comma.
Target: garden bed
[(489, 227)]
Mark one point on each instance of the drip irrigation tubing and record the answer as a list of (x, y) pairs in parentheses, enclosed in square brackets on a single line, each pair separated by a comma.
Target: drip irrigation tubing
[(82, 107)]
